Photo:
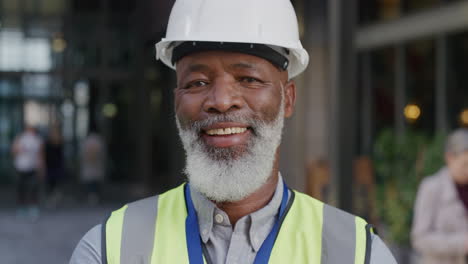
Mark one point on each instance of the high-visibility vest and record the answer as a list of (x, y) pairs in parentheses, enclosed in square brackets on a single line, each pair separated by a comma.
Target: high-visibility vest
[(152, 230)]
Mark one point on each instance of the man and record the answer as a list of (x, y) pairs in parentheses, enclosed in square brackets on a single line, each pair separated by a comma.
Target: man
[(28, 158), (234, 62)]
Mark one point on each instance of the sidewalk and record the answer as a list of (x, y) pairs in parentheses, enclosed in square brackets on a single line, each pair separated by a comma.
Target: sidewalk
[(51, 239)]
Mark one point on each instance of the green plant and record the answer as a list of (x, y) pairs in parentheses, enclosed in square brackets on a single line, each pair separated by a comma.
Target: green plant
[(400, 163), (433, 158)]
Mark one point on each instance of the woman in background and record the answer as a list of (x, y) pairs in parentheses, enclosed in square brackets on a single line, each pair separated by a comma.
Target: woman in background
[(440, 225)]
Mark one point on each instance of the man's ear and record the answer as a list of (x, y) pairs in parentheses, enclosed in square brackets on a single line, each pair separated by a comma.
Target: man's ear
[(289, 98)]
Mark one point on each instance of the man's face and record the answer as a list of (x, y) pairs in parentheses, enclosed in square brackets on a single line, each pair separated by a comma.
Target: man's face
[(217, 83), (230, 109)]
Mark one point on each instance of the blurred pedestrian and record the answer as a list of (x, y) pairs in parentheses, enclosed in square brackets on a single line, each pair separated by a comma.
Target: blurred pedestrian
[(440, 226), (55, 165), (93, 166), (27, 150)]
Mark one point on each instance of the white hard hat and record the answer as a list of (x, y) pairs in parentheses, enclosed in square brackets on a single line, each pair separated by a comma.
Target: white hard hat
[(272, 23)]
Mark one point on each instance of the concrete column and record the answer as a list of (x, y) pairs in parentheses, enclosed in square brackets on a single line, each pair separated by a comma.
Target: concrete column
[(441, 84), (305, 136), (173, 162), (342, 19), (142, 105), (316, 87), (142, 135), (367, 108), (292, 162), (400, 88)]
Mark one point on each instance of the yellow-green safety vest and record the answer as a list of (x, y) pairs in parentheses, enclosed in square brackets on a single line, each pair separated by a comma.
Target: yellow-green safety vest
[(152, 231)]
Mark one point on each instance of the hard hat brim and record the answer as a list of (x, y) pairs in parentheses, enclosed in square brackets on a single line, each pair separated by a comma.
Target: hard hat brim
[(298, 57), (259, 50)]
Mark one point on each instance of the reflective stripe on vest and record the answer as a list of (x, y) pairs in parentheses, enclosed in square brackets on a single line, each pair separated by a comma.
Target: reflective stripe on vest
[(153, 231)]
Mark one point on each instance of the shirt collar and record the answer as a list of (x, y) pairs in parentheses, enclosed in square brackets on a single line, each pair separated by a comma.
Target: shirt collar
[(205, 211), (258, 230)]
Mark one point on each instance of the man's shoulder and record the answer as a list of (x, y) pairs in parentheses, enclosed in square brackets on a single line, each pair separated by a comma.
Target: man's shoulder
[(337, 223), (154, 199), (435, 181), (88, 249), (143, 201), (326, 208)]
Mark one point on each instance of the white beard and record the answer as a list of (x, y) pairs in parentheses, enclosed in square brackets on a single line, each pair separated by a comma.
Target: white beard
[(218, 173)]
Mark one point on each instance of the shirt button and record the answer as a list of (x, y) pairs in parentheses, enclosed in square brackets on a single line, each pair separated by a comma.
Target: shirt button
[(205, 232), (219, 218)]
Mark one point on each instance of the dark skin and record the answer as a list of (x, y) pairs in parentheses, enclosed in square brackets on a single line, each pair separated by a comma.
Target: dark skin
[(217, 82)]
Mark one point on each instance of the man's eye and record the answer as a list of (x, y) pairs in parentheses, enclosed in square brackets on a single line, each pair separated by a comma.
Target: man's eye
[(196, 84), (250, 80)]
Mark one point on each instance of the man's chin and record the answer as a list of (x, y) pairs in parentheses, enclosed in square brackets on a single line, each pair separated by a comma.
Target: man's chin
[(226, 154)]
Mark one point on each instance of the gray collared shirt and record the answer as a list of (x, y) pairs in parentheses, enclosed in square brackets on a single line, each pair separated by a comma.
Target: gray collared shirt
[(239, 244), (222, 242)]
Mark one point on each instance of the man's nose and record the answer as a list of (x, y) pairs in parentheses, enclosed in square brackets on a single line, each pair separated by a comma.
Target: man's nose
[(224, 96)]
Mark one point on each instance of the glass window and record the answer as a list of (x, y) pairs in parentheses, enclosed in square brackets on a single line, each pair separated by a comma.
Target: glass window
[(457, 80), (10, 125), (18, 53), (9, 88), (418, 5), (37, 54), (68, 111), (122, 6), (420, 92), (11, 42), (120, 144), (83, 52), (383, 85), (370, 11), (120, 51), (36, 85), (5, 127), (53, 7), (30, 6), (86, 6), (10, 6)]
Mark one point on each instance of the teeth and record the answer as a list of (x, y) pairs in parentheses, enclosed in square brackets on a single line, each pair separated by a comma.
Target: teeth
[(226, 131)]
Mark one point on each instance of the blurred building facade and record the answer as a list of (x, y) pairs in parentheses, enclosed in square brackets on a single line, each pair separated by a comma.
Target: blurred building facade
[(375, 65), (89, 65)]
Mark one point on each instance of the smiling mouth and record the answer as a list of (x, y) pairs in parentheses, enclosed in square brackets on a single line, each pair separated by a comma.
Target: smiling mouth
[(225, 135), (226, 131)]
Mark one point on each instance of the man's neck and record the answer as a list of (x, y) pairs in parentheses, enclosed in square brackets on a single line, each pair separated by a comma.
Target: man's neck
[(257, 200)]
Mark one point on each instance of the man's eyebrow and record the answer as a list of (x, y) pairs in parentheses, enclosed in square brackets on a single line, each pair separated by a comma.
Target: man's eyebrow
[(244, 65), (196, 68)]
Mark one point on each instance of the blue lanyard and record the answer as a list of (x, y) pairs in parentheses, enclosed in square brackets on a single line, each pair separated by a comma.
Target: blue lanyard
[(192, 231)]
